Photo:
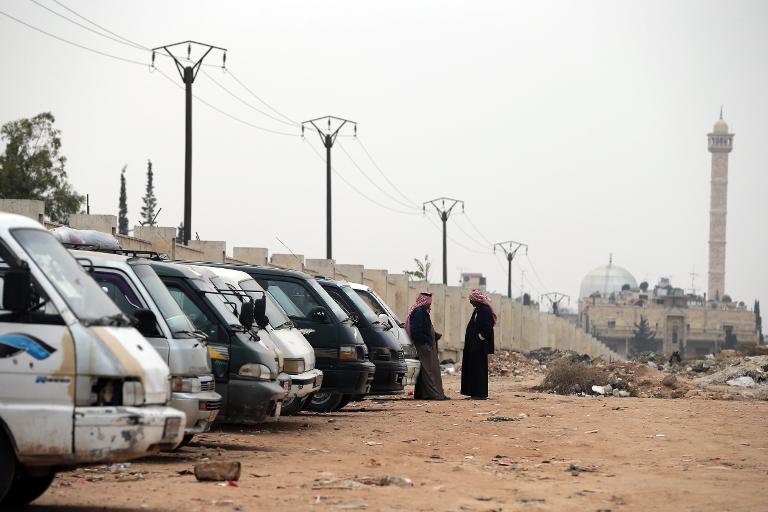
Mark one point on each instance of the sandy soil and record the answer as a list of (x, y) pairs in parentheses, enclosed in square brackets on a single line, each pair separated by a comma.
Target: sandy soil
[(629, 454)]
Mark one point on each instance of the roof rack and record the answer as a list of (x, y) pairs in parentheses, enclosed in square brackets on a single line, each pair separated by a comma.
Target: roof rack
[(135, 253)]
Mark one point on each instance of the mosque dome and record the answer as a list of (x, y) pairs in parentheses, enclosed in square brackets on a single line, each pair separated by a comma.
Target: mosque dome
[(605, 280), (721, 127)]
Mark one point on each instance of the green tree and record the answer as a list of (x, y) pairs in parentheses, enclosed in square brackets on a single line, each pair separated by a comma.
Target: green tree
[(122, 213), (643, 339), (31, 166), (150, 201), (422, 269)]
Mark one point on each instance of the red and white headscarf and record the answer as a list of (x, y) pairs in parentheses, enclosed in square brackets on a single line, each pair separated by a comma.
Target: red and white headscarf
[(482, 297), (424, 299)]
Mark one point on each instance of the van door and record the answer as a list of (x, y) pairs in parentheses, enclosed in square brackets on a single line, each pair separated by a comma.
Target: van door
[(37, 372), (119, 288)]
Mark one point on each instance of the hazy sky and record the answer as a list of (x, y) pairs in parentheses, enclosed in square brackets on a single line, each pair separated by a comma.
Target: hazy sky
[(576, 127)]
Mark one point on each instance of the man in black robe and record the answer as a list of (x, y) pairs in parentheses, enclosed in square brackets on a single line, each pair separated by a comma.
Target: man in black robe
[(418, 324), (478, 345)]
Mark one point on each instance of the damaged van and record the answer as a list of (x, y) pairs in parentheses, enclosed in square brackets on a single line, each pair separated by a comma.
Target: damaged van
[(78, 384), (299, 362), (245, 370), (135, 288)]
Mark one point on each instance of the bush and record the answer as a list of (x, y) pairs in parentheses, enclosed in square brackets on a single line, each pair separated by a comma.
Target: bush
[(567, 377)]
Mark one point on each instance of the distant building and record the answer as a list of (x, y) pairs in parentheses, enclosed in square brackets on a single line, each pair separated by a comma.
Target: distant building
[(612, 306), (473, 280)]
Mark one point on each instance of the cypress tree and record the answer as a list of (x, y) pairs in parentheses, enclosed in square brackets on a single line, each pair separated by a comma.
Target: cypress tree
[(122, 215), (150, 201)]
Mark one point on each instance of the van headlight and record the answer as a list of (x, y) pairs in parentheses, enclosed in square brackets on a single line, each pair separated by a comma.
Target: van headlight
[(185, 385), (133, 393), (348, 353), (294, 366), (381, 353), (256, 371)]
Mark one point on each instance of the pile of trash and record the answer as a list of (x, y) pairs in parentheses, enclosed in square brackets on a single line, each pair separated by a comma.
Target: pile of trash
[(748, 372), (507, 363)]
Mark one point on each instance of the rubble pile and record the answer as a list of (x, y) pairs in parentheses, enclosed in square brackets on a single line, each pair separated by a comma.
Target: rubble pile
[(741, 372), (505, 363)]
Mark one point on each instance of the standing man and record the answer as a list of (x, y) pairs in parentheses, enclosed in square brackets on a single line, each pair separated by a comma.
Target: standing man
[(478, 345), (418, 325)]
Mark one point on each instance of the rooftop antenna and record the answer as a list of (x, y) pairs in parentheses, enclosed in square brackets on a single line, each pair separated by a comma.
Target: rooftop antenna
[(289, 250)]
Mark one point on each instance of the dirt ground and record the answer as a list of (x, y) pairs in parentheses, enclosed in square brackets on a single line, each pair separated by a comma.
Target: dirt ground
[(552, 453)]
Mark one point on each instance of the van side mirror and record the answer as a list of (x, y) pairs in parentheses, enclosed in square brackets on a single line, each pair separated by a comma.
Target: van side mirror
[(319, 315), (260, 312), (17, 290), (385, 321), (146, 322), (246, 314)]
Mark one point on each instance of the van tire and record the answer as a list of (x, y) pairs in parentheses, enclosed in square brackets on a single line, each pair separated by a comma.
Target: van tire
[(293, 406), (345, 399), (7, 465), (27, 488), (185, 440), (324, 402)]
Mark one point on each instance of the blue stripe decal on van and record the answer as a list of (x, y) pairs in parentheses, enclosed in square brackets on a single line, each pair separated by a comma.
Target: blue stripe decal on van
[(12, 344)]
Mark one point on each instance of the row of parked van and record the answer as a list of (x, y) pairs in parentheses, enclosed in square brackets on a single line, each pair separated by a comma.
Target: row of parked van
[(108, 355)]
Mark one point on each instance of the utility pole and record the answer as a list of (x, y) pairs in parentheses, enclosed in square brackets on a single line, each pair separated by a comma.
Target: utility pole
[(510, 248), (555, 298), (188, 74), (328, 138), (444, 212)]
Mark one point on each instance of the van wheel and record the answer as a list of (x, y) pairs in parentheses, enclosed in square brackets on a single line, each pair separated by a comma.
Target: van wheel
[(293, 406), (27, 488), (324, 402), (185, 440), (7, 466), (345, 399)]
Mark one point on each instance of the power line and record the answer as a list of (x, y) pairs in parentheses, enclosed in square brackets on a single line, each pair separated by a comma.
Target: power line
[(477, 230), (234, 77), (359, 141), (530, 263), (238, 98), (383, 191), (360, 192), (89, 29), (480, 244), (72, 43), (134, 43), (227, 114)]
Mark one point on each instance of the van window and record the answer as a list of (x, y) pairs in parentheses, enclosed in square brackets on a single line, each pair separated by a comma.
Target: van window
[(360, 304), (370, 302), (275, 313), (197, 316), (81, 293), (295, 299), (175, 318), (45, 312), (118, 290)]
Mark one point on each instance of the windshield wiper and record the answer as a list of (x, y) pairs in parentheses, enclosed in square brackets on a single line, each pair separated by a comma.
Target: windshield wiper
[(200, 335), (285, 325), (237, 328), (116, 320)]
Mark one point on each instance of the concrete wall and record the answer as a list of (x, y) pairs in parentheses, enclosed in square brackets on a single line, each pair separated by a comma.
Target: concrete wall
[(103, 223), (31, 208), (251, 255), (289, 261)]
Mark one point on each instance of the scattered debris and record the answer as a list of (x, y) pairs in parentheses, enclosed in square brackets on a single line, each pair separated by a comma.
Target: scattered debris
[(493, 419)]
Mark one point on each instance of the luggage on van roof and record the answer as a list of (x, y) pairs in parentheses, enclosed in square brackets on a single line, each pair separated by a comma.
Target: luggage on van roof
[(86, 238)]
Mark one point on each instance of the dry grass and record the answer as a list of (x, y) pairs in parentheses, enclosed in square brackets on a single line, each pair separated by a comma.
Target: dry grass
[(567, 377)]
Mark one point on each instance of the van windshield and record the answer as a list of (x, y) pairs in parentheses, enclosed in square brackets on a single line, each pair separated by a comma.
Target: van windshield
[(84, 297), (360, 304), (177, 321), (329, 302)]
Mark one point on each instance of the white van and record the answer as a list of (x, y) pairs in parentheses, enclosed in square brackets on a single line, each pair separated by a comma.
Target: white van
[(135, 288), (298, 354), (78, 384), (387, 316)]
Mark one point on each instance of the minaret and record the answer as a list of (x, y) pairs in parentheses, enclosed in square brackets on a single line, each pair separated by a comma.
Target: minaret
[(720, 144)]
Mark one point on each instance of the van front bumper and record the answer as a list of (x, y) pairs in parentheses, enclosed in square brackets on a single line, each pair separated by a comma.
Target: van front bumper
[(251, 401), (122, 433), (389, 377), (200, 408), (348, 378), (412, 373), (306, 383)]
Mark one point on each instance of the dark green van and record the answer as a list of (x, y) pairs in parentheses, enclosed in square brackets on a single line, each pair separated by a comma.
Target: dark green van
[(245, 370)]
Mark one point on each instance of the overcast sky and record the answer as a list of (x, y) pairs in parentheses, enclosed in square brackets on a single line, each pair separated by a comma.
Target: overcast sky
[(576, 127)]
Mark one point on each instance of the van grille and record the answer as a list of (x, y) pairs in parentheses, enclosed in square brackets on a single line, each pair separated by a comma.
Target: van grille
[(207, 385)]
